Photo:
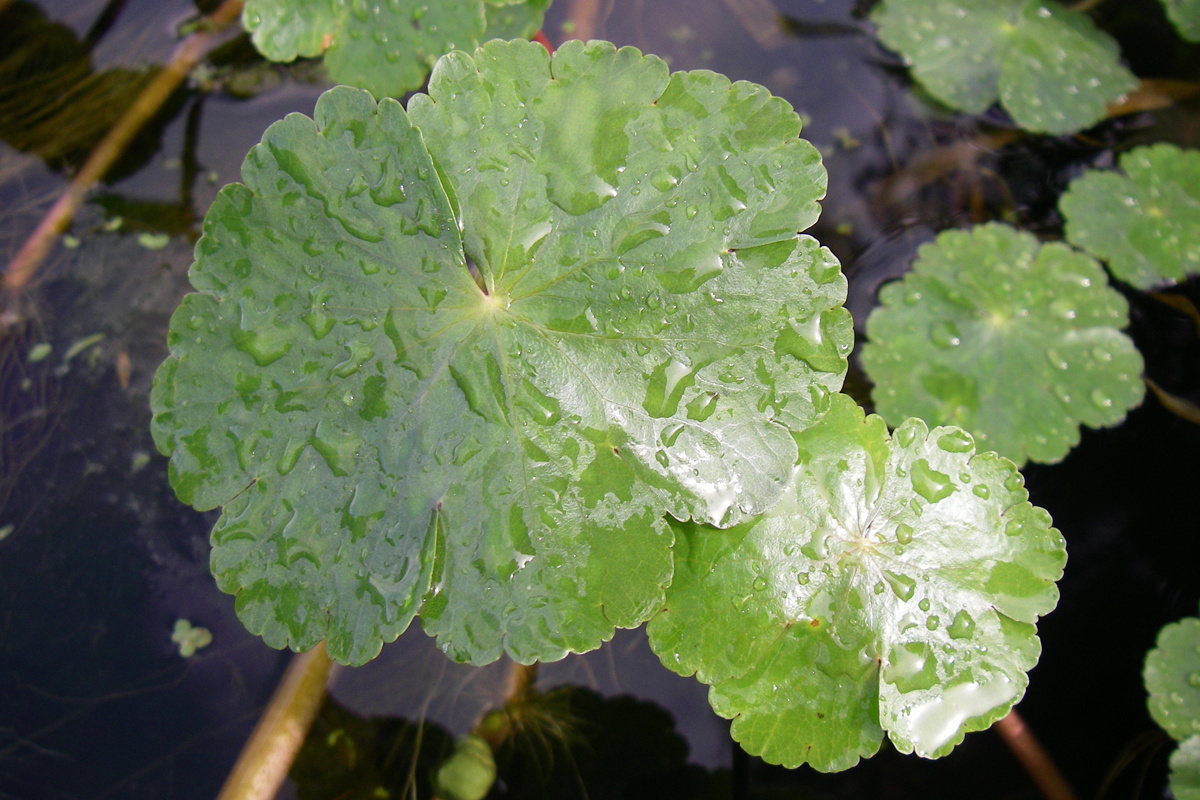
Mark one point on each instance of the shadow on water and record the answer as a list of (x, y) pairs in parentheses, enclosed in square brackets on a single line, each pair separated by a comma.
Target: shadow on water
[(96, 700)]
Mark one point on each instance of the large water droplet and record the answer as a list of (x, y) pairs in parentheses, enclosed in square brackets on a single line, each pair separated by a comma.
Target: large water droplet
[(956, 442), (904, 533), (982, 492), (934, 486), (962, 627), (902, 585)]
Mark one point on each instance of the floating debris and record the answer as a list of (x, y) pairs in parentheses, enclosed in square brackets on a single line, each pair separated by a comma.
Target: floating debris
[(190, 639), (39, 352)]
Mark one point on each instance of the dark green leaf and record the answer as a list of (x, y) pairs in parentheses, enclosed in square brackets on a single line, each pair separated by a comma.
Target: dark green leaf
[(383, 432)]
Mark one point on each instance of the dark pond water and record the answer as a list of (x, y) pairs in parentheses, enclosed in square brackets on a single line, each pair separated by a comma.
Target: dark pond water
[(101, 560)]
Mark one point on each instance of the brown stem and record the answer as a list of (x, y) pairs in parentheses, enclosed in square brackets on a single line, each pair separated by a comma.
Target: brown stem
[(268, 755), (1083, 6), (1029, 751), (584, 14), (23, 267)]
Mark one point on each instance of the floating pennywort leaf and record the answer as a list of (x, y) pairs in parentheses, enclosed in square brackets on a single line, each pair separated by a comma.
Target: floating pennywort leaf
[(1143, 221), (894, 589), (389, 436), (1050, 68), (1015, 341)]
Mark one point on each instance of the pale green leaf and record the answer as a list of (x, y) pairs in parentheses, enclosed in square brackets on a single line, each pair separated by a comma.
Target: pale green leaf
[(1014, 341), (1172, 676), (384, 433), (385, 47), (1051, 69), (1185, 770), (1185, 16), (515, 20), (894, 589), (1145, 223)]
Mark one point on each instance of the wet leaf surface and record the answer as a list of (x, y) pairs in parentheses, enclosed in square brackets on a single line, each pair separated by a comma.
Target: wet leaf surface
[(1172, 676), (1144, 223), (1051, 69), (894, 589), (384, 432), (386, 48), (1014, 341)]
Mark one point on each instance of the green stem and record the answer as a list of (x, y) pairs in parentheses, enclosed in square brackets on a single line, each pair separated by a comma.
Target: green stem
[(268, 755)]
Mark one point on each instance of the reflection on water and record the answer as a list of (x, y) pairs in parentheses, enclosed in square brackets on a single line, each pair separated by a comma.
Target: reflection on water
[(101, 560)]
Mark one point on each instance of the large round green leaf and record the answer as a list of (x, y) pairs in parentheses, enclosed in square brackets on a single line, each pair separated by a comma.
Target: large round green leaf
[(1144, 224), (1050, 67), (895, 588), (1016, 342), (1172, 676), (383, 430), (384, 47), (1185, 15)]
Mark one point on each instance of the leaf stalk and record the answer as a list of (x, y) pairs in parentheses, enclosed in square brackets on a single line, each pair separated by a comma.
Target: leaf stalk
[(266, 758)]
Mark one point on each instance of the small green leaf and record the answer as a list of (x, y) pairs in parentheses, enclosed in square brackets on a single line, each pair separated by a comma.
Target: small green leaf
[(386, 48), (1185, 16), (469, 772), (190, 639), (895, 588), (1050, 67), (1145, 224), (1014, 341), (515, 20), (386, 435), (1185, 770), (1172, 676)]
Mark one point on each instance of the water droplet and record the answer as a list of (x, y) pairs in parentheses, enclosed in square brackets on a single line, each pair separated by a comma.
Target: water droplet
[(902, 585), (1101, 399), (945, 334), (1194, 679), (802, 579), (912, 297), (962, 627), (956, 442), (982, 492), (904, 533), (906, 435), (934, 486), (933, 622), (879, 587), (691, 211), (1014, 482), (1015, 527), (760, 584), (1056, 360), (923, 605)]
